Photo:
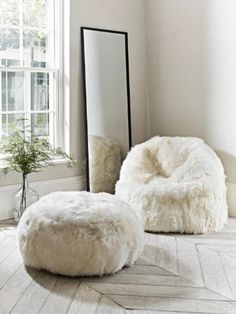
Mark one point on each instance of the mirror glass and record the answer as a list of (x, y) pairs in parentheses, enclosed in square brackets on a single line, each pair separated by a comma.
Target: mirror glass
[(107, 100)]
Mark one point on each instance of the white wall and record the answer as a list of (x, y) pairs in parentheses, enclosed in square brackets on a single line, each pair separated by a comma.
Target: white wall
[(111, 14), (120, 15), (192, 73)]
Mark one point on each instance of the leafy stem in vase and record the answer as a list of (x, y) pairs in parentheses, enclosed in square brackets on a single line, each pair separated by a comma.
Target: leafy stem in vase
[(26, 152)]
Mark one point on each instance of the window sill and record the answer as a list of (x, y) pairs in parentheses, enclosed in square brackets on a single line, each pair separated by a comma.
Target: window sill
[(54, 163)]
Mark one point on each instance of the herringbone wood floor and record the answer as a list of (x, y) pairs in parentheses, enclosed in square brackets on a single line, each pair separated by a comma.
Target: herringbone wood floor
[(175, 274)]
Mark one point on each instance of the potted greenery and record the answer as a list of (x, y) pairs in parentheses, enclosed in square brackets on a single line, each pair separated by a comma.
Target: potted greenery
[(26, 152)]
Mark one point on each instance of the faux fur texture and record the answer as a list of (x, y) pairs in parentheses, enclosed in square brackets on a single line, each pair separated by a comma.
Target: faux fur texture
[(80, 233), (104, 164), (177, 184)]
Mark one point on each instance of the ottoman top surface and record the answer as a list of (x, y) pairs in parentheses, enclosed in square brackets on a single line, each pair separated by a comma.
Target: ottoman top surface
[(80, 208)]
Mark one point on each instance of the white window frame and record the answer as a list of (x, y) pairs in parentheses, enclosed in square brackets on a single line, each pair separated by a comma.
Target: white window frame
[(57, 89)]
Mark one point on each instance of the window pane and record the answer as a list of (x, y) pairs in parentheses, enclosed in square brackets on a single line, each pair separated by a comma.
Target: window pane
[(12, 91), (9, 46), (36, 13), (8, 122), (27, 39), (40, 124), (36, 49), (39, 91), (9, 12), (4, 126)]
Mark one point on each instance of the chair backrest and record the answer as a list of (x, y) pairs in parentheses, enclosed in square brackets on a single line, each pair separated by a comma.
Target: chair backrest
[(182, 158)]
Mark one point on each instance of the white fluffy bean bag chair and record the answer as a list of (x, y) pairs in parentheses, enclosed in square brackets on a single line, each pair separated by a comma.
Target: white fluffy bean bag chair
[(104, 164), (177, 184), (80, 233)]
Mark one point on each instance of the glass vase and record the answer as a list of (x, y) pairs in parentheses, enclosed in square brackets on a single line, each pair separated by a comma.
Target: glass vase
[(23, 198)]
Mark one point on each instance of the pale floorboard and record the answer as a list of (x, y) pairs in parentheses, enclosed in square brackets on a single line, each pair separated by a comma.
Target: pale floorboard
[(168, 249), (211, 265), (180, 305), (106, 306), (175, 274), (2, 311), (205, 241), (148, 257), (145, 270), (14, 288), (61, 296), (189, 266), (144, 280), (231, 255), (222, 248), (35, 294), (2, 236), (229, 265), (86, 300), (8, 245), (9, 265), (156, 291), (157, 312)]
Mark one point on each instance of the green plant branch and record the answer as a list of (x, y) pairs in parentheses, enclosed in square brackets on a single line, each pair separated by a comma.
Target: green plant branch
[(26, 152)]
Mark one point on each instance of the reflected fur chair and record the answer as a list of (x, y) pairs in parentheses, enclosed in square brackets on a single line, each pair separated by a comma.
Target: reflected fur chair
[(104, 164)]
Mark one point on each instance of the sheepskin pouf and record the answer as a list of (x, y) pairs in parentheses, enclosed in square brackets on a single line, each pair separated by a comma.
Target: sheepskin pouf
[(177, 184), (104, 164), (80, 233)]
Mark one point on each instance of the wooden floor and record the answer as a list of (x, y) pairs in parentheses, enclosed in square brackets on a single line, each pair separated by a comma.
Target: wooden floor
[(175, 274)]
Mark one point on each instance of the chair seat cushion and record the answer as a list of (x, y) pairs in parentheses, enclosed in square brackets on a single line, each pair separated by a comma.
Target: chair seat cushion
[(80, 233)]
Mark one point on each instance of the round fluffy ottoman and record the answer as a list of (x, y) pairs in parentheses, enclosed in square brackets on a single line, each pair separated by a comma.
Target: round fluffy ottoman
[(80, 234)]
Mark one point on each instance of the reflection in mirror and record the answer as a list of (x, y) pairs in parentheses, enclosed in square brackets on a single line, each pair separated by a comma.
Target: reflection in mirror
[(107, 97)]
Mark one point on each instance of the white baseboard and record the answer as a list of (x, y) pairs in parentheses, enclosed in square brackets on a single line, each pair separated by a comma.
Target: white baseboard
[(76, 184), (42, 187), (231, 196)]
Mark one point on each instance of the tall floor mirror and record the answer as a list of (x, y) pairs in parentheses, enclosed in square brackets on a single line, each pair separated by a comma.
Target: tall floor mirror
[(107, 105)]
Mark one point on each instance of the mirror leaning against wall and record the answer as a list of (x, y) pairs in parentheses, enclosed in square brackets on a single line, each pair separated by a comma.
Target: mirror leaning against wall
[(107, 105)]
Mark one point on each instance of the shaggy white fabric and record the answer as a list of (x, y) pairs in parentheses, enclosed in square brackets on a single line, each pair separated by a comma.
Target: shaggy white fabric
[(104, 164), (80, 233), (177, 184)]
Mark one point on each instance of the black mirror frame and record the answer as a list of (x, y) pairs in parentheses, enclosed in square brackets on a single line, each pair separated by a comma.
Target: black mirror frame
[(82, 29)]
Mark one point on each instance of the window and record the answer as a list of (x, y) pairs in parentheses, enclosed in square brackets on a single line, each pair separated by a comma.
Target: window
[(29, 66)]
